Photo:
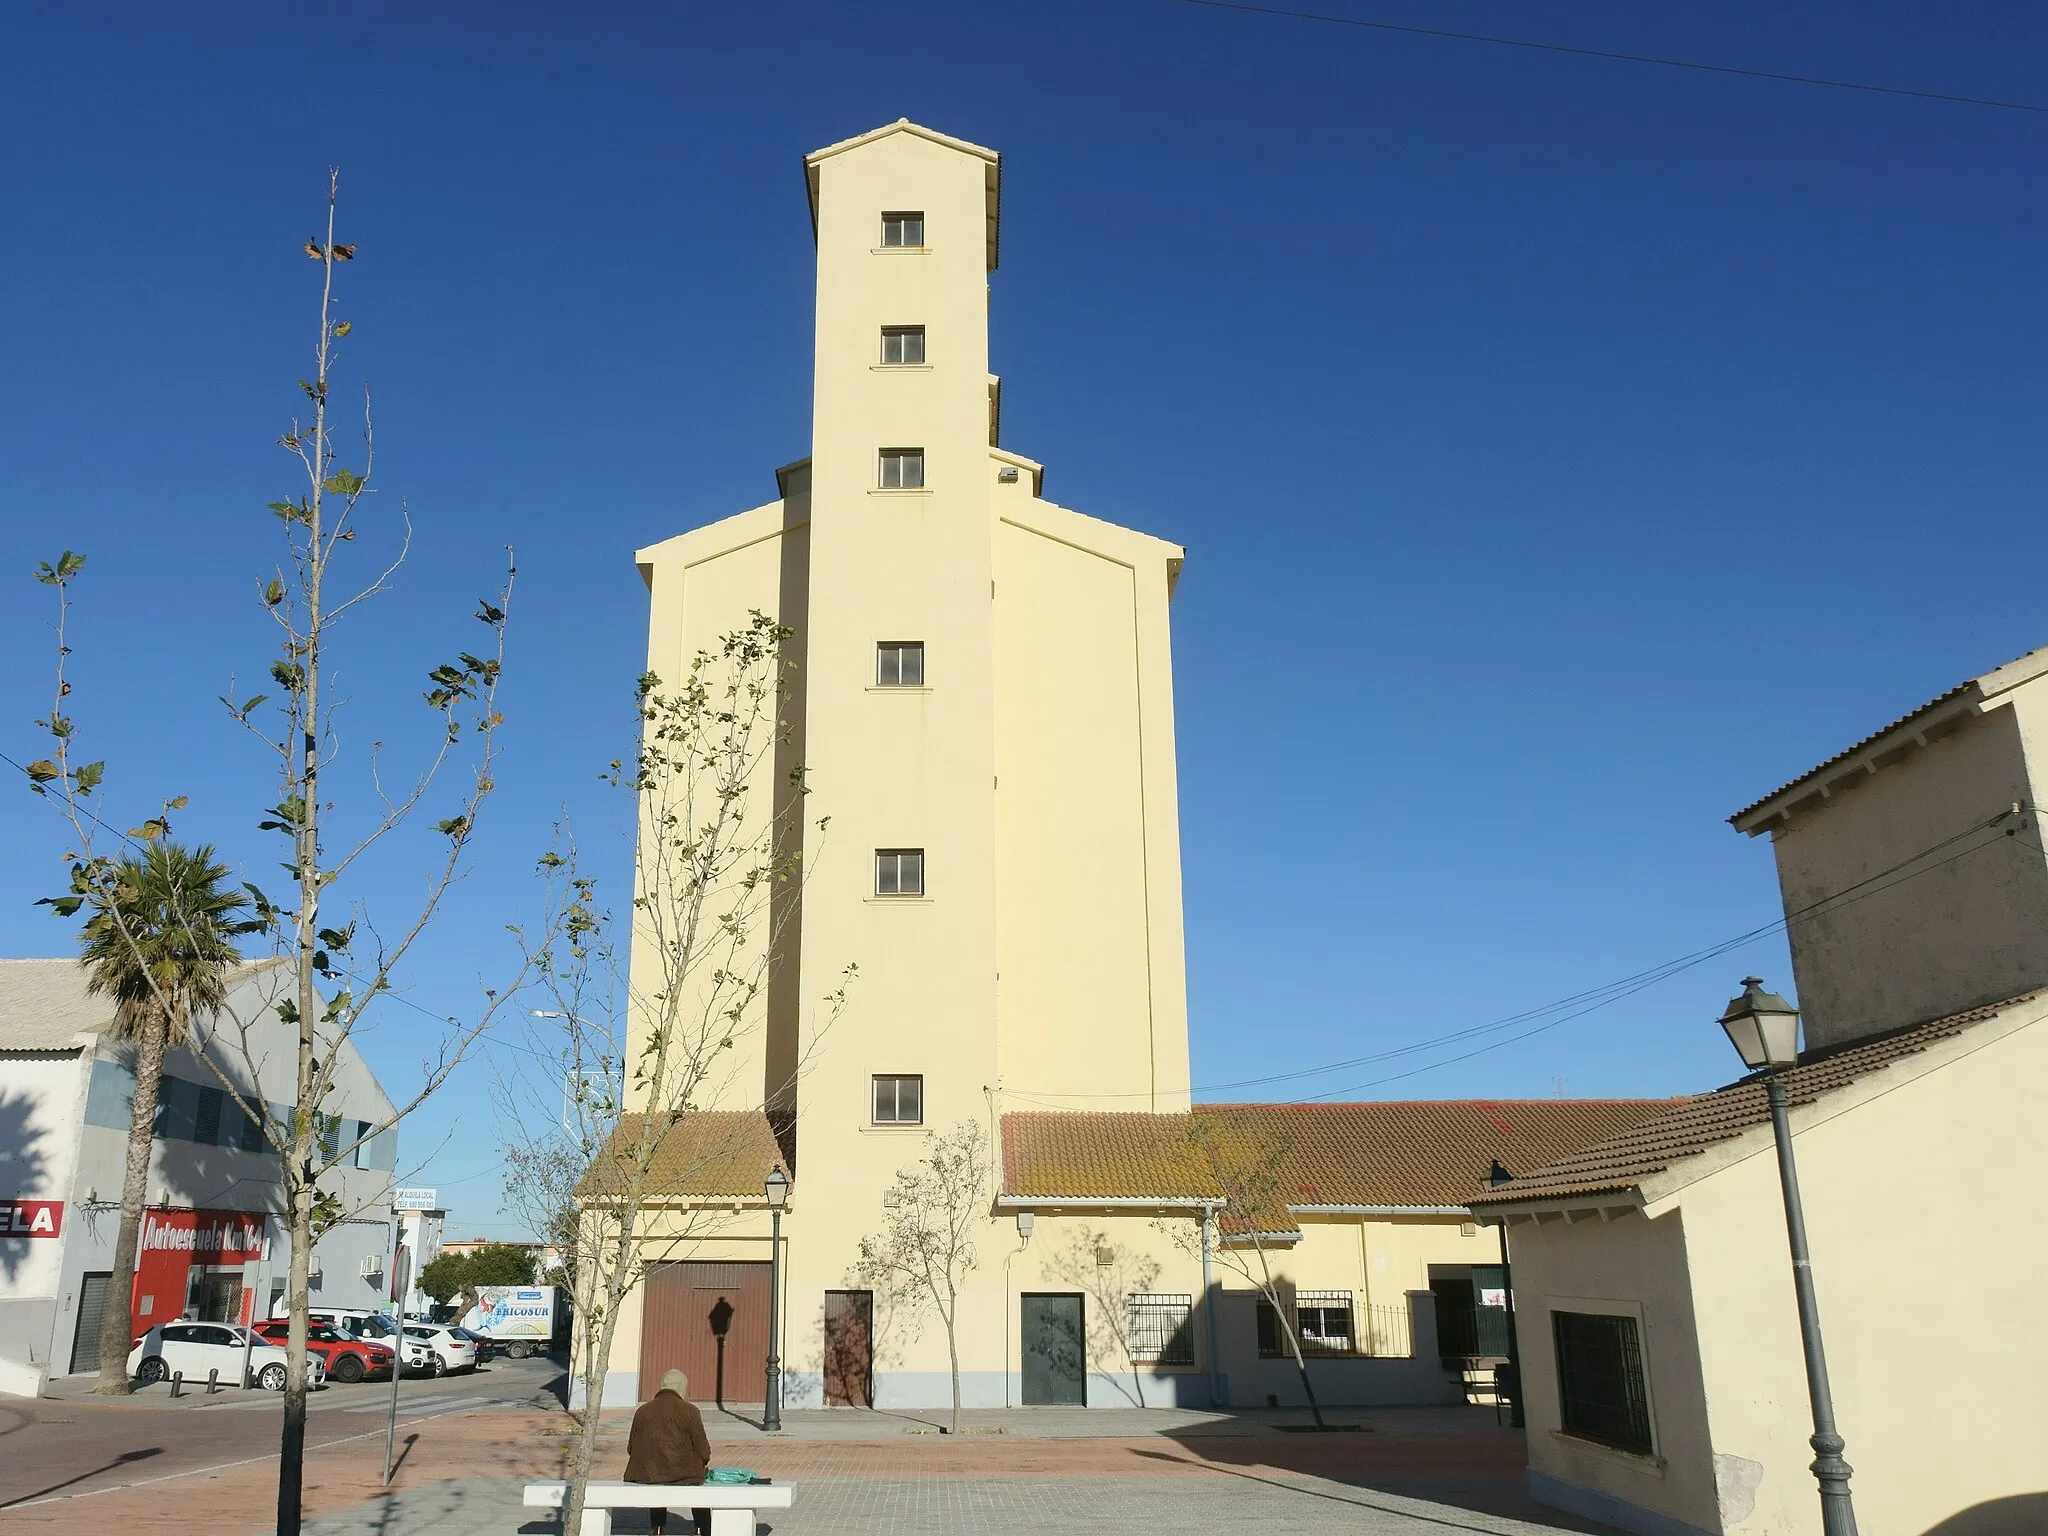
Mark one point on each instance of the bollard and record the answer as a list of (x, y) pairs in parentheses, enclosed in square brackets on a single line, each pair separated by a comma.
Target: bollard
[(213, 1381), (177, 1382)]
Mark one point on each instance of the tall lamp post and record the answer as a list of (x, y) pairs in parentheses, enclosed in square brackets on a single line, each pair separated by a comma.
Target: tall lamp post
[(1497, 1176), (1764, 1029), (777, 1189)]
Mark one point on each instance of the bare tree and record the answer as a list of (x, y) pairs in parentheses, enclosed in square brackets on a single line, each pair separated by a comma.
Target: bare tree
[(1251, 1201), (1109, 1273), (340, 961), (925, 1250), (646, 1058)]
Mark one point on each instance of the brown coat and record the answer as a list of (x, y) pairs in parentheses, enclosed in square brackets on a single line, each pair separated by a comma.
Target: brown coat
[(667, 1444)]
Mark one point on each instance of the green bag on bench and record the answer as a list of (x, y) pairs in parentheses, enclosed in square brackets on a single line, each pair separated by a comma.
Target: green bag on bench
[(728, 1476)]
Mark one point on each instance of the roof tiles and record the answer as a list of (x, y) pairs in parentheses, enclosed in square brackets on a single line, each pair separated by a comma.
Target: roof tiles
[(1690, 1126)]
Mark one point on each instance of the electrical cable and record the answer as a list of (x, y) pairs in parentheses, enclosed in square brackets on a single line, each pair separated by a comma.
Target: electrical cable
[(1593, 998), (1619, 57)]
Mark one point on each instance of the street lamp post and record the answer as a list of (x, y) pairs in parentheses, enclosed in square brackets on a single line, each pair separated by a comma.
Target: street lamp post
[(777, 1189), (1497, 1176), (1764, 1029)]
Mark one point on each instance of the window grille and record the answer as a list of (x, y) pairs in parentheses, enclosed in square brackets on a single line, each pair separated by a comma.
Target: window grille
[(899, 664), (903, 229), (902, 469), (1322, 1325), (899, 871), (1162, 1329), (1324, 1321), (899, 1100), (902, 343), (1600, 1384)]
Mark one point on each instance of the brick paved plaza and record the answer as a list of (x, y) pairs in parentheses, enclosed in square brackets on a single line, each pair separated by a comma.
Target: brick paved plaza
[(208, 1469)]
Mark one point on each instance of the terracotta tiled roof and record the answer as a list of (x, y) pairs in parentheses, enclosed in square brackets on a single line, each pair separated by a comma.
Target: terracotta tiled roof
[(709, 1152), (2019, 669), (1691, 1126), (1407, 1155)]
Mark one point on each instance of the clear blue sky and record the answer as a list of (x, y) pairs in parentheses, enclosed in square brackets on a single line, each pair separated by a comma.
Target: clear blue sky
[(1567, 451)]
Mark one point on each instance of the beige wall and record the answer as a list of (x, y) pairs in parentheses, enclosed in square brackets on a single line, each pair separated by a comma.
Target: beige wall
[(1636, 1267), (1035, 768), (1967, 931), (1922, 1209)]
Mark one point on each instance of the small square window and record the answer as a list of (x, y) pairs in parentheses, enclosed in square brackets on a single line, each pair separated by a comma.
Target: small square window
[(899, 872), (899, 664), (903, 229), (902, 469), (899, 1100), (902, 343)]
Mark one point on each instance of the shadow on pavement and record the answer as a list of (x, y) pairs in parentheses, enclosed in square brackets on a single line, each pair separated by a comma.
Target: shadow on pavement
[(1481, 1475), (124, 1459)]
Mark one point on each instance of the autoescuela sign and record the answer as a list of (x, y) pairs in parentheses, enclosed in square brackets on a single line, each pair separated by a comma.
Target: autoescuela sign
[(31, 1218)]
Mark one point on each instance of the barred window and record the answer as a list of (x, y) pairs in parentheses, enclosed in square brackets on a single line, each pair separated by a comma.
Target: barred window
[(1324, 1321), (1600, 1384), (1322, 1324), (1162, 1329)]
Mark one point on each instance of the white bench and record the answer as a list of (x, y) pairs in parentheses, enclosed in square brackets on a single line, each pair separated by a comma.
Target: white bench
[(732, 1505)]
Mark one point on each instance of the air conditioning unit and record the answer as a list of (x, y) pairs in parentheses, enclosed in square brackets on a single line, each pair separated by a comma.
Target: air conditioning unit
[(313, 1267), (372, 1266)]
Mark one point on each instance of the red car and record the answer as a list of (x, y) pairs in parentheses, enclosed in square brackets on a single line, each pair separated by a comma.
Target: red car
[(347, 1359)]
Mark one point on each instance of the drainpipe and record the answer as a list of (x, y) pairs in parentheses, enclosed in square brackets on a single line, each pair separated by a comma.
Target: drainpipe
[(1209, 1308), (1026, 1220)]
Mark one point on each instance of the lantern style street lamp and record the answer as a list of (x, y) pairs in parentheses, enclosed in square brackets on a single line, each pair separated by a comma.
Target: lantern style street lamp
[(776, 1187), (1764, 1030), (1496, 1176)]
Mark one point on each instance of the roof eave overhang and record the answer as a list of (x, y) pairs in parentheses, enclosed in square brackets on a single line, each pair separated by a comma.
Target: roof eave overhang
[(1819, 785), (992, 174), (1105, 1202), (1381, 1210), (1590, 1205)]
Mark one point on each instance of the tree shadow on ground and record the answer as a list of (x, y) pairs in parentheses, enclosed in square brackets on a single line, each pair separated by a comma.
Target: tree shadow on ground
[(1481, 1475)]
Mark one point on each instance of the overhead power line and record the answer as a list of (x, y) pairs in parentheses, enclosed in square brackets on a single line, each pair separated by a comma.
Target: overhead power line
[(1566, 1009), (1618, 57)]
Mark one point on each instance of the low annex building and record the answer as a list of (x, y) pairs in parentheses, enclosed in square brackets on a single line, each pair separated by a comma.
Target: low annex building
[(1661, 1352)]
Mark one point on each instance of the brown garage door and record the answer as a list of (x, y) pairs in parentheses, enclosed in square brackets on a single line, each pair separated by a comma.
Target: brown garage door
[(711, 1321)]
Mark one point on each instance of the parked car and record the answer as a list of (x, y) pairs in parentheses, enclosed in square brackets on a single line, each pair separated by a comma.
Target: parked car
[(347, 1358), (193, 1349), (485, 1346), (378, 1328), (452, 1352)]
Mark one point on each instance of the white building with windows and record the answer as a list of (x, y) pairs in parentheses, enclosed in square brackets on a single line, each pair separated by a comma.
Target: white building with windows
[(212, 1247)]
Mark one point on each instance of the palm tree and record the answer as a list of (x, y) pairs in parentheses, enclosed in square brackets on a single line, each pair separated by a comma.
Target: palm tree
[(160, 944)]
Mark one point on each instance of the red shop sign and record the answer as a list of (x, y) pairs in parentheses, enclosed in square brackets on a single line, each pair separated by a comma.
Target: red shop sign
[(31, 1218)]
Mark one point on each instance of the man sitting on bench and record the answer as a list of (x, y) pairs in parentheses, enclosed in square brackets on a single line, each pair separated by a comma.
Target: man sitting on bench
[(667, 1445)]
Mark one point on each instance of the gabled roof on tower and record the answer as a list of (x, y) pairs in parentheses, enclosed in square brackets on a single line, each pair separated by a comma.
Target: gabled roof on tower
[(993, 159)]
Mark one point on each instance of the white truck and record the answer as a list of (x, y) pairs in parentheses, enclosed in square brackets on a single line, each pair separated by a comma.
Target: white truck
[(522, 1320)]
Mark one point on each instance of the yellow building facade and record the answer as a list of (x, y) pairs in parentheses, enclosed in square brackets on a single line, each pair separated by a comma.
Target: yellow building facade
[(984, 707)]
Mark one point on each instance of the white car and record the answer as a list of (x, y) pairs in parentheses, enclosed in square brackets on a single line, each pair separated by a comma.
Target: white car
[(452, 1352), (377, 1327), (193, 1349)]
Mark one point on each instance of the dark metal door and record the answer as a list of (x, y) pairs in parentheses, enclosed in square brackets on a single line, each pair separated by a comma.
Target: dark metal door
[(849, 1349), (711, 1321), (1054, 1352), (92, 1312)]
